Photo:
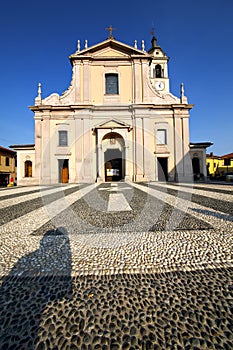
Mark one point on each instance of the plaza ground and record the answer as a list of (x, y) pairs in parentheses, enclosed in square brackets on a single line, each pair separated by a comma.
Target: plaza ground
[(117, 266)]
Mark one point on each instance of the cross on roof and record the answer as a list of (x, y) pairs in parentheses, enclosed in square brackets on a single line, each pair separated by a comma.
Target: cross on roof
[(110, 28)]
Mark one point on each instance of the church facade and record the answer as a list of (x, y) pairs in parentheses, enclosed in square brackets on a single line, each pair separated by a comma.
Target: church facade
[(117, 121)]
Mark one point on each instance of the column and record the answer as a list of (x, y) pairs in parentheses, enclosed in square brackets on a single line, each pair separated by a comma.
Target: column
[(100, 155), (99, 170)]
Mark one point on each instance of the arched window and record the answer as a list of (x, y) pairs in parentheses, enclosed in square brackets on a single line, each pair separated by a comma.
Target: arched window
[(111, 84), (28, 168), (158, 71)]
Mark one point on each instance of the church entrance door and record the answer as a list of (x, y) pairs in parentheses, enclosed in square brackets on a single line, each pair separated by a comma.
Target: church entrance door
[(113, 152), (63, 165), (162, 169), (113, 165)]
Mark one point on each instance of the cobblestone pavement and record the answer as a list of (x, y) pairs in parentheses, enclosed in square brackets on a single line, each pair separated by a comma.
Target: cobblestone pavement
[(116, 266)]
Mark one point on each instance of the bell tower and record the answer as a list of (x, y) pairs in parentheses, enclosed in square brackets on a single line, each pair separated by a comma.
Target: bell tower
[(159, 67)]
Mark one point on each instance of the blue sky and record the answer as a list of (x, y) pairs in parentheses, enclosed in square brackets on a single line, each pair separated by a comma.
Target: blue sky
[(38, 36)]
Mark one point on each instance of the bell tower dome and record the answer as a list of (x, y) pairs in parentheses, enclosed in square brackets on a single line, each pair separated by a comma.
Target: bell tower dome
[(159, 67)]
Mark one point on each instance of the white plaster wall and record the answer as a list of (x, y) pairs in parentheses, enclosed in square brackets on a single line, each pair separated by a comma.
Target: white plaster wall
[(22, 157)]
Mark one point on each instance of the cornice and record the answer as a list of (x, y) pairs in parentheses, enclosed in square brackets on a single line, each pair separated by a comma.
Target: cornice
[(129, 58), (110, 107), (59, 108), (182, 106)]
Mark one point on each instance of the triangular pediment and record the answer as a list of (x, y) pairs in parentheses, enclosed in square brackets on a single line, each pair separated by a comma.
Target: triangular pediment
[(112, 124), (110, 52), (109, 48)]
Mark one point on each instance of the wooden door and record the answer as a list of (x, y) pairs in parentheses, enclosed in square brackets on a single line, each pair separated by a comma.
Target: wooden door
[(63, 169), (65, 175)]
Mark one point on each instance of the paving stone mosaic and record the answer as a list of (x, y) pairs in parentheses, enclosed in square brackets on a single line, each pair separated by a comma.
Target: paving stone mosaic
[(157, 277), (27, 192), (89, 214), (217, 204), (14, 211), (179, 310)]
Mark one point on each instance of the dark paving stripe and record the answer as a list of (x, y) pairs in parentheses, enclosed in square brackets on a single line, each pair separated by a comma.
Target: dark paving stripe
[(178, 310), (89, 215), (215, 190), (15, 194), (15, 211), (216, 204), (210, 189)]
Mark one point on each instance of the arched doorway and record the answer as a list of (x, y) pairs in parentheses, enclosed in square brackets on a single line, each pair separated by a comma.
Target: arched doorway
[(113, 150)]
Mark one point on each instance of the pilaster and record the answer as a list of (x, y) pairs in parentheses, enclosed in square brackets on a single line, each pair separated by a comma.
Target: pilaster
[(46, 149), (87, 150), (145, 88), (38, 147), (137, 81), (77, 74), (181, 145), (78, 149), (86, 81), (139, 149)]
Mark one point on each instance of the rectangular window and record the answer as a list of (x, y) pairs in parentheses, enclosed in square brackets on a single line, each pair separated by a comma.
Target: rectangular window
[(63, 138), (7, 161), (227, 162), (111, 84), (161, 137)]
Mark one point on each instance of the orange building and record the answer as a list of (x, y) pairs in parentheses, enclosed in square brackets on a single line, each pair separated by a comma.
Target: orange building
[(8, 165)]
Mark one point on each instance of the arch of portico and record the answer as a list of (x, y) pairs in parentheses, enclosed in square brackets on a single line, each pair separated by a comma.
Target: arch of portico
[(113, 154), (113, 151)]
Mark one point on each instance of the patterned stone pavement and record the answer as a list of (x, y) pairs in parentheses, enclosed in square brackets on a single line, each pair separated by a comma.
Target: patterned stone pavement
[(116, 266)]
